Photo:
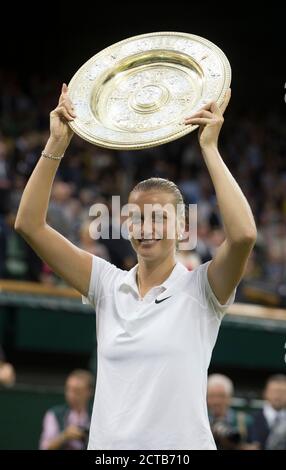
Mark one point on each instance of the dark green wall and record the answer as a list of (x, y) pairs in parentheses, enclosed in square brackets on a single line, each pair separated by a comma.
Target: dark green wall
[(251, 347), (22, 411), (242, 342)]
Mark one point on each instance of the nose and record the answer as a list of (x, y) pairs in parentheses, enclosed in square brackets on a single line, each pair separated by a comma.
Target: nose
[(147, 229)]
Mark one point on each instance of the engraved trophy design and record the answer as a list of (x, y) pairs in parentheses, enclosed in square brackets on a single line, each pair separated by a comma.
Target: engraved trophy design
[(137, 92)]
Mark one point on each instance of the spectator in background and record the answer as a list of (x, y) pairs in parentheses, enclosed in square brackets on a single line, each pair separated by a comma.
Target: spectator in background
[(269, 421), (230, 427), (59, 206), (5, 178), (66, 426), (19, 260), (277, 437), (89, 244), (3, 245), (7, 371)]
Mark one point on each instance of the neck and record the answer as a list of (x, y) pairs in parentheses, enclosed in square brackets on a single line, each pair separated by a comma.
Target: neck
[(79, 408), (221, 415), (153, 273)]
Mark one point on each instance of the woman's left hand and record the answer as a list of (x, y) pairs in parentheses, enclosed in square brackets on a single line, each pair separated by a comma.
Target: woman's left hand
[(210, 119)]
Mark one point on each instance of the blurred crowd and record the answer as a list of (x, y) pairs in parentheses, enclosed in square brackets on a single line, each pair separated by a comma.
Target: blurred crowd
[(66, 426), (253, 147)]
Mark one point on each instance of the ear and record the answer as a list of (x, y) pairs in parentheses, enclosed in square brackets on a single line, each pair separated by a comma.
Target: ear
[(181, 227)]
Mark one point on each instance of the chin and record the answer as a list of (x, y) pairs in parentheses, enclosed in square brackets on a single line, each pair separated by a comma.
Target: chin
[(148, 251), (148, 254), (157, 249)]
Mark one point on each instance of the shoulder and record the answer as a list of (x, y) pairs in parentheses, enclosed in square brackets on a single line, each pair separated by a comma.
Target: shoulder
[(102, 266), (103, 276), (57, 415), (58, 410), (196, 284), (193, 281)]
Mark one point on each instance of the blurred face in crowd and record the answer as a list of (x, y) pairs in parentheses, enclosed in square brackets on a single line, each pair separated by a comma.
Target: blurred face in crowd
[(77, 392), (218, 400), (153, 232), (275, 394)]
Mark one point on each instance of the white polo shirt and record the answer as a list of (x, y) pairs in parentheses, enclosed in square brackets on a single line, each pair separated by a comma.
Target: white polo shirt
[(153, 359)]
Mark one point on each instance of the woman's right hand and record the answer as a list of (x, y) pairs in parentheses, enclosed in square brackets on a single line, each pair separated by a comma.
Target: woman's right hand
[(60, 131)]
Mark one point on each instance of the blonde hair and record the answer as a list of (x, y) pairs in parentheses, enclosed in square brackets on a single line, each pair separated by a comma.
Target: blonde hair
[(161, 184)]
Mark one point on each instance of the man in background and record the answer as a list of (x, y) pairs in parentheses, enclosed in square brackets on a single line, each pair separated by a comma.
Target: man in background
[(230, 428), (271, 420), (66, 426)]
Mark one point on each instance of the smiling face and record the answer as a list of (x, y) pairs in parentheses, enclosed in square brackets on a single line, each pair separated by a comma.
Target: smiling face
[(153, 222)]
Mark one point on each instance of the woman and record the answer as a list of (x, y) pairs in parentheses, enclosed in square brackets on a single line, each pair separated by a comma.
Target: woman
[(157, 323)]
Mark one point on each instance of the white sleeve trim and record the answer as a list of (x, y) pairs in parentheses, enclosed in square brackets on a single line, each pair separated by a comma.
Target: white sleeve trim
[(89, 300), (102, 275), (219, 308)]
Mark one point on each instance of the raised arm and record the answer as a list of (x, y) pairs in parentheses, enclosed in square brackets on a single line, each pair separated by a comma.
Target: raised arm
[(68, 261), (227, 267)]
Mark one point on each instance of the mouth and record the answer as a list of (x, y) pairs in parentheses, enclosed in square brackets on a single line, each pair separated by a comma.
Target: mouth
[(148, 241)]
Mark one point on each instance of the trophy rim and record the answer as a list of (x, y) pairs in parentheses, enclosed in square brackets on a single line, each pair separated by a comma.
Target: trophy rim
[(186, 129)]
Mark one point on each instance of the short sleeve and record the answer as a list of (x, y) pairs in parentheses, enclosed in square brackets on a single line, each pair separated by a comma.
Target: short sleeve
[(50, 430), (206, 293), (102, 275)]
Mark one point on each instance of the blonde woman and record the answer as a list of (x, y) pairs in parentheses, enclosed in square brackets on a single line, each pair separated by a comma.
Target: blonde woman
[(157, 323)]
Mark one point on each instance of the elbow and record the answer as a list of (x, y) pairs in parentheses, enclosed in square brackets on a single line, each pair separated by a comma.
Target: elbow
[(250, 239), (250, 235), (19, 226), (247, 238), (26, 228), (22, 227)]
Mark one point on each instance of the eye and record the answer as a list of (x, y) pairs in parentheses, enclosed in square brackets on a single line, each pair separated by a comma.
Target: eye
[(136, 219), (158, 217)]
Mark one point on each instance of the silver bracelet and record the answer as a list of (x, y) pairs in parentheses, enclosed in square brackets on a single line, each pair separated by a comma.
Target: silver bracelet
[(52, 157)]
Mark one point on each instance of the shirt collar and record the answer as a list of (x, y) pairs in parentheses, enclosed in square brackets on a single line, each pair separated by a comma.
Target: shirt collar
[(130, 278), (270, 413)]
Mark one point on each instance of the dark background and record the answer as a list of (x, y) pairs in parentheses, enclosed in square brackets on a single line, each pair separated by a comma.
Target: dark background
[(55, 40)]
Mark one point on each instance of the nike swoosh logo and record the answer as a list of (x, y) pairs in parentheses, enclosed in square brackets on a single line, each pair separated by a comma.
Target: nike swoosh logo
[(162, 300)]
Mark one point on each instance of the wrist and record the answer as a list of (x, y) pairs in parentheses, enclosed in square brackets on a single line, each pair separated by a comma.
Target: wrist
[(55, 147)]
